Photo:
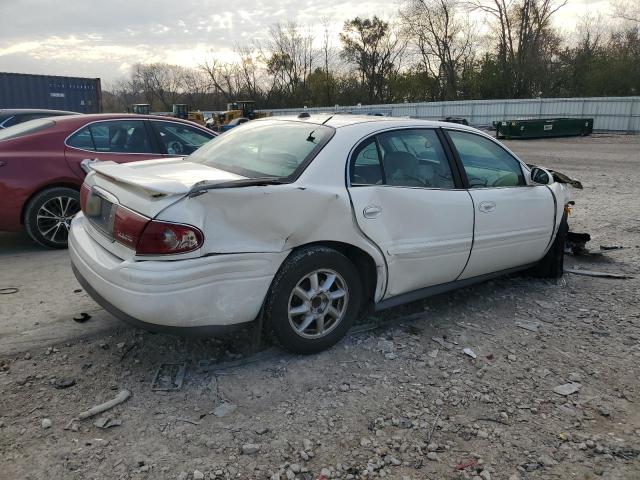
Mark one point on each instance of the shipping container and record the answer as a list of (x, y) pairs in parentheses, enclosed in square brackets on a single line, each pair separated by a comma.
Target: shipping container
[(76, 94), (539, 128)]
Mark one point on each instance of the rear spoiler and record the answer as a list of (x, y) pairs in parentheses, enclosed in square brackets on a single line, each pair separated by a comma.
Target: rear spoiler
[(121, 173)]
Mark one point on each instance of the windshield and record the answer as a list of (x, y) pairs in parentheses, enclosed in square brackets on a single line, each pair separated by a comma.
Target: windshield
[(269, 148), (25, 128)]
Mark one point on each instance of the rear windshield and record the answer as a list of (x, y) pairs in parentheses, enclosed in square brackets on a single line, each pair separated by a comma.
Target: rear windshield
[(25, 128), (264, 148)]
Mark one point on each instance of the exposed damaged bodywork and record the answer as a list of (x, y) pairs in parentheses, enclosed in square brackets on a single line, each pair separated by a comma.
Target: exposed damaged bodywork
[(561, 177)]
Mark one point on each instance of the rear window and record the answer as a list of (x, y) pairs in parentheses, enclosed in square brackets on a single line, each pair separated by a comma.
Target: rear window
[(25, 128), (272, 148)]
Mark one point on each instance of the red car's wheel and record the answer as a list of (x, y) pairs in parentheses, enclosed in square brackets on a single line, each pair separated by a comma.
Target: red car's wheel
[(48, 216)]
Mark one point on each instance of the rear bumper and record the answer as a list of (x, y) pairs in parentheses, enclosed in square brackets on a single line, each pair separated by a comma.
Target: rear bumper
[(199, 295)]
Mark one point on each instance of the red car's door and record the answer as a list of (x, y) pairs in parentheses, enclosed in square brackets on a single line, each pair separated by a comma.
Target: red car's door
[(120, 141)]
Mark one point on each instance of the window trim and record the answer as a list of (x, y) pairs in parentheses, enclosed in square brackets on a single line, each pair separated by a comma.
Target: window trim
[(152, 138), (460, 164), (158, 138), (458, 180)]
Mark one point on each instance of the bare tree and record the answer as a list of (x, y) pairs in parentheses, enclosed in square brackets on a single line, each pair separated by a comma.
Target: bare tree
[(524, 36), (290, 56), (376, 50), (443, 36), (628, 10), (160, 82)]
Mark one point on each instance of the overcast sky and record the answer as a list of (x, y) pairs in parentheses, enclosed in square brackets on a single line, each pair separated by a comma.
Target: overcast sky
[(104, 38)]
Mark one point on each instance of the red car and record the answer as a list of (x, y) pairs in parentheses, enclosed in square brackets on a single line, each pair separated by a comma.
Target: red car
[(40, 171)]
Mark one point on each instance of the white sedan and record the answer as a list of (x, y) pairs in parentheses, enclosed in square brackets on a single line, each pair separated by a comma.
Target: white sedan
[(308, 221)]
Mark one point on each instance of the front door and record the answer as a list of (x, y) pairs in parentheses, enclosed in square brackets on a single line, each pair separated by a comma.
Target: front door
[(514, 221), (407, 200)]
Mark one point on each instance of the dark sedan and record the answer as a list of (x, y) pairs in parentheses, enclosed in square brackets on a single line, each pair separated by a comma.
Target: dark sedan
[(40, 163), (13, 116)]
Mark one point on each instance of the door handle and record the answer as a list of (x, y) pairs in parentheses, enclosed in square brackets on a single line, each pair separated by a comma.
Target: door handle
[(2, 163), (487, 207), (372, 211)]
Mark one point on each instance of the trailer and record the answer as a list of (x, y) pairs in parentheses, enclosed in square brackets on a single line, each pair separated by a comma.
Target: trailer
[(76, 94), (540, 128)]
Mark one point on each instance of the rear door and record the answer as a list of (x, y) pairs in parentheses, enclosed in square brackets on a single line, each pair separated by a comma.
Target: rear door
[(408, 199), (120, 141), (514, 221)]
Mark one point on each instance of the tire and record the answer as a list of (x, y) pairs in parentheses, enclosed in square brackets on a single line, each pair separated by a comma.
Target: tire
[(48, 215), (293, 288), (552, 264)]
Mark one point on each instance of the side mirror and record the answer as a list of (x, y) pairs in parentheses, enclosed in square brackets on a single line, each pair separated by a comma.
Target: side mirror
[(540, 176)]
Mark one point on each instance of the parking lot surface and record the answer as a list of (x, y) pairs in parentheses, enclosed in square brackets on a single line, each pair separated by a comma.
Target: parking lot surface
[(553, 393)]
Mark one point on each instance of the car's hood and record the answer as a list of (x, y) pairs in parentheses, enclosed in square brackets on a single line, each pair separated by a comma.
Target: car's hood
[(171, 176)]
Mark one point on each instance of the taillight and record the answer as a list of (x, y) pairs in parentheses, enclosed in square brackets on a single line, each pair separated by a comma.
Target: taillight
[(84, 195), (160, 238), (127, 226)]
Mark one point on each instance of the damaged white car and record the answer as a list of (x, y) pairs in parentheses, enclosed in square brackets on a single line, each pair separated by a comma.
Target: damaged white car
[(309, 220)]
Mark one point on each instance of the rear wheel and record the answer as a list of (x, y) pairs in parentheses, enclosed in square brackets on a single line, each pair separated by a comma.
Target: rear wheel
[(48, 215), (313, 300), (552, 265)]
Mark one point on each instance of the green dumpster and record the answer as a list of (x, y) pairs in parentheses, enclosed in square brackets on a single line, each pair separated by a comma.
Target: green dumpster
[(540, 128)]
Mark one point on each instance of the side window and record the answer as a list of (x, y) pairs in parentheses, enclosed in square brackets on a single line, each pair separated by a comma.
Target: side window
[(82, 139), (365, 167), (485, 162), (116, 136), (415, 158), (180, 139)]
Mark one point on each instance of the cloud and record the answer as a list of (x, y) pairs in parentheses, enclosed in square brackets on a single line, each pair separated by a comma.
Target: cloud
[(103, 39)]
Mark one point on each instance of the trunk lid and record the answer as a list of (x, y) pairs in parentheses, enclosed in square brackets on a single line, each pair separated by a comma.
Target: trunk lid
[(147, 187)]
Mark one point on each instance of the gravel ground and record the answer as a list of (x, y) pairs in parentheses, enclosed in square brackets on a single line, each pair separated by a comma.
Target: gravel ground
[(553, 392)]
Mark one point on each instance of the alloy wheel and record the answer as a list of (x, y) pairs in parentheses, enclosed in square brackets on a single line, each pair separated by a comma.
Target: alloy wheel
[(54, 216), (318, 303)]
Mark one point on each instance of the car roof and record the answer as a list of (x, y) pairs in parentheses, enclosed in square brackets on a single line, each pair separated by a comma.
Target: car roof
[(341, 120), (94, 117), (17, 111)]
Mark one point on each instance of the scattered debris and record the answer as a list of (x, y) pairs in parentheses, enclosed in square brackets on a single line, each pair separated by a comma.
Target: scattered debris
[(46, 423), (103, 407), (474, 328), (466, 464), (443, 343), (169, 377), (84, 316), (469, 352), (107, 422), (63, 383), (215, 365), (250, 448), (9, 290), (531, 326), (591, 273), (575, 243), (567, 388), (224, 409), (611, 247)]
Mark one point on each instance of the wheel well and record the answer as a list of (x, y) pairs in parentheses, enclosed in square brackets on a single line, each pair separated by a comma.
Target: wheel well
[(364, 263), (42, 189)]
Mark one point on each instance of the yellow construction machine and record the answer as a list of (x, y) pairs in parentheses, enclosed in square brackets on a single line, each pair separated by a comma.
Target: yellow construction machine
[(236, 113)]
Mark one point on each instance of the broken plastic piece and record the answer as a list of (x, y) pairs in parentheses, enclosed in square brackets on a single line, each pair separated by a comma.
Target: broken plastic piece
[(469, 352)]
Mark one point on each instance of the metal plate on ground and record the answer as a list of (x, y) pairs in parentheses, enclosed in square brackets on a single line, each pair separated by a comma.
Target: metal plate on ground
[(169, 377)]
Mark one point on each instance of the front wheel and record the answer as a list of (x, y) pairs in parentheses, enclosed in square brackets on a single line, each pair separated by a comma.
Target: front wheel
[(313, 300), (48, 215), (552, 265)]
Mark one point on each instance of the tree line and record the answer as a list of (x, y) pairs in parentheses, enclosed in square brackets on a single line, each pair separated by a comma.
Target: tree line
[(431, 50)]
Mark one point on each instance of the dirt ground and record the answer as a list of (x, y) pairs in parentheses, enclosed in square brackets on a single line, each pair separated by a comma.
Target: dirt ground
[(386, 402)]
